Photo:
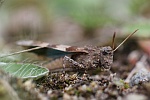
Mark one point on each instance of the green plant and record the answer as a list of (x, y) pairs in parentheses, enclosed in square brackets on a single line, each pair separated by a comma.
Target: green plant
[(23, 70)]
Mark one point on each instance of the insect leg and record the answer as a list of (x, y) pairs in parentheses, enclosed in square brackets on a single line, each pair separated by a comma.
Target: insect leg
[(68, 61)]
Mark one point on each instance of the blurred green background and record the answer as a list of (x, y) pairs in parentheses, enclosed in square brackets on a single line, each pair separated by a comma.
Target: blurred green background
[(72, 21)]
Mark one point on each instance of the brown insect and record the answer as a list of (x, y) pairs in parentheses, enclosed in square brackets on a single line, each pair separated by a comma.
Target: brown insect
[(88, 57)]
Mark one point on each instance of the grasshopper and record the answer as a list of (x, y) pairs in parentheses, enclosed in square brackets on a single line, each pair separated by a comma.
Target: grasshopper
[(88, 57)]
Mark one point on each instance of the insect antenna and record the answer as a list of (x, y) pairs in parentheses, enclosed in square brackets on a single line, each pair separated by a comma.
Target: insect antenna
[(113, 41), (125, 40)]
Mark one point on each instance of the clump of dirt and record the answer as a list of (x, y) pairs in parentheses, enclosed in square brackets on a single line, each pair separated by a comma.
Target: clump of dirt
[(60, 85)]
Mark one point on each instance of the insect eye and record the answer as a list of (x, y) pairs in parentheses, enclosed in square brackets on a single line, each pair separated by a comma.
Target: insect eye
[(104, 53)]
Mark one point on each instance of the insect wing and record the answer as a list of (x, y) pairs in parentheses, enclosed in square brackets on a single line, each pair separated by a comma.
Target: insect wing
[(52, 51)]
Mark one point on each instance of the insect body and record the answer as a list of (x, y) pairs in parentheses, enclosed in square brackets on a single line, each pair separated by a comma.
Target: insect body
[(87, 57), (78, 57), (96, 57)]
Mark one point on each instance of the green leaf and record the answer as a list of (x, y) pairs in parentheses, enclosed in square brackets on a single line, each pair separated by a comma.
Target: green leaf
[(21, 70)]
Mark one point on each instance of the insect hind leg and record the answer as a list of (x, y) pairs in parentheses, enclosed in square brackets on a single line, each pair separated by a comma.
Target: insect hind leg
[(67, 61)]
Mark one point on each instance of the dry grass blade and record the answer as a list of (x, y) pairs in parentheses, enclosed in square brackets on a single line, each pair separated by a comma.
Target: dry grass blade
[(21, 51)]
